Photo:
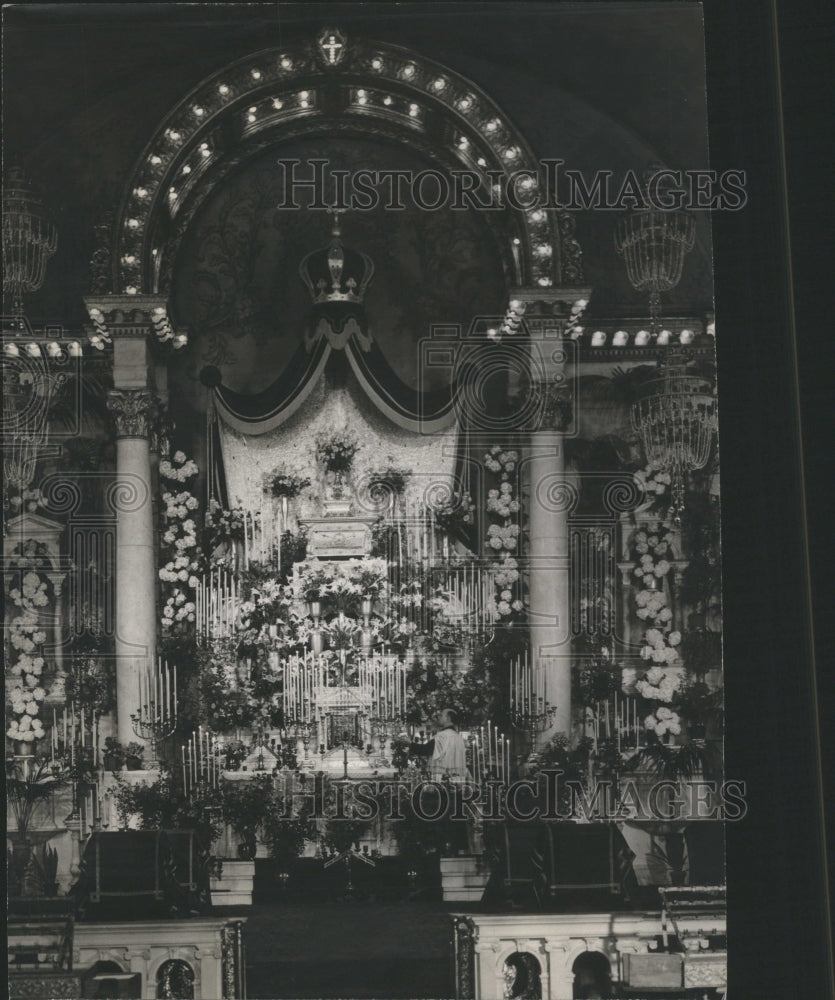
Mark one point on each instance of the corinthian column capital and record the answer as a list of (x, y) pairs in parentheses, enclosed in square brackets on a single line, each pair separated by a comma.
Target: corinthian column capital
[(133, 411)]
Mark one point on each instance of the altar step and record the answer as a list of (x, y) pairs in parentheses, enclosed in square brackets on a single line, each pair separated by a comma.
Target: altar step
[(463, 879), (234, 887)]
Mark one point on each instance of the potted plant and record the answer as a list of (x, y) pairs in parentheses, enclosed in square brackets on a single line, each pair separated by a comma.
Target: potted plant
[(245, 805), (30, 863), (313, 588), (285, 485), (120, 757), (336, 453)]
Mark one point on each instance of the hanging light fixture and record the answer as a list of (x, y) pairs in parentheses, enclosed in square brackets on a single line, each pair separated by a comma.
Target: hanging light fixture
[(676, 416), (29, 381), (653, 242), (676, 421), (29, 240)]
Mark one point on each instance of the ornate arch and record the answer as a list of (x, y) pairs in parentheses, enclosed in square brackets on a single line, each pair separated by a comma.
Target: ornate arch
[(332, 84)]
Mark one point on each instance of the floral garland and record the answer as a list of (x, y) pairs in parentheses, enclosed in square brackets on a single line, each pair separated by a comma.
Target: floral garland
[(652, 480), (30, 500), (456, 513), (503, 533), (25, 691), (651, 549), (180, 556), (223, 528)]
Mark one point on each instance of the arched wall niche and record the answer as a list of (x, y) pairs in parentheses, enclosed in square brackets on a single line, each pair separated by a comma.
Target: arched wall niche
[(372, 89)]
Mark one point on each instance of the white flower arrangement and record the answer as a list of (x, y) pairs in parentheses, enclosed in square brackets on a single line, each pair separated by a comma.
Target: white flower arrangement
[(180, 557), (503, 532), (24, 690)]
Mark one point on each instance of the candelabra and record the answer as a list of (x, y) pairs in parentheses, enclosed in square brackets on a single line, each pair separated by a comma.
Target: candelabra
[(534, 719), (157, 715), (153, 729)]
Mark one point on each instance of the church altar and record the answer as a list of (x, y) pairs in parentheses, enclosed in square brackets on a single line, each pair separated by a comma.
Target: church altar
[(355, 478)]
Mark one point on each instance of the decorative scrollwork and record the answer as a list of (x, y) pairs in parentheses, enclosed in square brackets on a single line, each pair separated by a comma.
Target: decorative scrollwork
[(464, 959)]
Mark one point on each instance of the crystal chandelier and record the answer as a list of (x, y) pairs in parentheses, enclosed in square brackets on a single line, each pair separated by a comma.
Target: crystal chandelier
[(29, 240), (28, 387), (653, 243), (676, 421)]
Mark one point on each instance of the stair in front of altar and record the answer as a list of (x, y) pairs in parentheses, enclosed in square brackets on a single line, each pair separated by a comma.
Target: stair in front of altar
[(463, 879)]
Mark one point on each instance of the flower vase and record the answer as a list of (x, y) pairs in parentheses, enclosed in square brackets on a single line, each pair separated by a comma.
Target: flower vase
[(316, 611), (317, 642), (338, 489)]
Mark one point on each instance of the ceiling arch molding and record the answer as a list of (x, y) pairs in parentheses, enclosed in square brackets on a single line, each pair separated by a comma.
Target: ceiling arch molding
[(369, 89)]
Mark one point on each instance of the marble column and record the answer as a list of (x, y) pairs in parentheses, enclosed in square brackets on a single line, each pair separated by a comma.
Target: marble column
[(550, 500), (551, 493), (136, 616)]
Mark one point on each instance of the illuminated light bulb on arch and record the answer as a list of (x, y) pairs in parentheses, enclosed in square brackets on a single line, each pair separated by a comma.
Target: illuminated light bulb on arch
[(387, 101), (463, 143), (439, 84), (537, 216), (199, 111), (598, 339), (413, 110), (481, 161), (516, 241), (517, 305), (129, 259), (173, 135), (409, 71), (141, 192), (493, 333), (204, 149), (686, 336), (544, 250), (376, 63), (545, 282), (186, 169), (664, 337), (156, 160), (620, 338), (527, 183), (642, 338), (223, 90), (711, 329), (278, 104), (510, 154), (256, 74), (491, 126), (131, 290), (286, 63), (133, 223)]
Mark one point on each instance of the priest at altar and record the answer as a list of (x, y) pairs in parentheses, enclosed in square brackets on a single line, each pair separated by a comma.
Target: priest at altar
[(446, 750)]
